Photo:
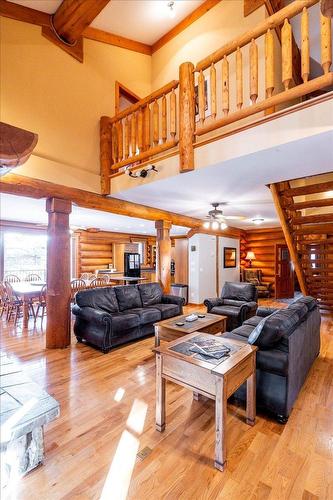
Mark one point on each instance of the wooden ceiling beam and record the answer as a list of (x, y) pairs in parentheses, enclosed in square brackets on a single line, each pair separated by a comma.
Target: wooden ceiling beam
[(73, 16), (323, 202), (35, 188), (33, 16)]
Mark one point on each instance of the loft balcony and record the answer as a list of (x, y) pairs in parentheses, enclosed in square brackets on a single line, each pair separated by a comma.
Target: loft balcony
[(254, 79)]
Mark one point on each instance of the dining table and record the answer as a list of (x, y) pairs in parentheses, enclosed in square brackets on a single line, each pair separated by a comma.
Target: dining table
[(27, 291)]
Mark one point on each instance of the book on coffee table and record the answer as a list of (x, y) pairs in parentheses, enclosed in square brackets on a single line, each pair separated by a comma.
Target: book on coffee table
[(207, 349)]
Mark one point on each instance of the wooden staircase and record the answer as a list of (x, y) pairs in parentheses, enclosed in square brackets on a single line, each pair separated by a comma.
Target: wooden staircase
[(306, 215)]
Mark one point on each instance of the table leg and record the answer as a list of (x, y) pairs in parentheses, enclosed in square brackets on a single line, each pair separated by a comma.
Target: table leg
[(196, 396), (25, 313), (157, 337), (251, 398), (160, 395), (220, 424)]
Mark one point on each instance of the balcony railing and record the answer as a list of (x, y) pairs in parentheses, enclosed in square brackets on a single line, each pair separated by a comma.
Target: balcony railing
[(236, 90)]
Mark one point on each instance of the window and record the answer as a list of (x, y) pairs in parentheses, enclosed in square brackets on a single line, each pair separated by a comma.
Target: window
[(25, 254)]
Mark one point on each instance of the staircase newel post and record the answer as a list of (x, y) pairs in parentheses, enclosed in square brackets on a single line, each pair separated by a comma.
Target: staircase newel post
[(105, 154), (186, 117)]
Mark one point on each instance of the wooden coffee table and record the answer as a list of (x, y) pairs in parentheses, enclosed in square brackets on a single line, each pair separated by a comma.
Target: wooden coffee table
[(168, 330), (216, 381)]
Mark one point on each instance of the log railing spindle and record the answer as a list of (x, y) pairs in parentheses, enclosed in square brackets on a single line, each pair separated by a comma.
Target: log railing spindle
[(213, 107), (201, 95), (156, 126), (133, 134), (326, 43), (147, 127), (126, 137), (173, 114), (140, 129), (287, 54), (120, 140), (164, 119), (225, 86), (305, 49), (269, 63), (253, 71), (114, 144), (239, 78)]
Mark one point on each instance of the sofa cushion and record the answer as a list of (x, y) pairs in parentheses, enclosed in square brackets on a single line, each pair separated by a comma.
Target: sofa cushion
[(167, 310), (244, 331), (103, 298), (146, 315), (300, 308), (128, 296), (151, 293), (239, 291), (122, 322), (271, 329), (226, 310), (253, 321), (310, 302), (234, 303)]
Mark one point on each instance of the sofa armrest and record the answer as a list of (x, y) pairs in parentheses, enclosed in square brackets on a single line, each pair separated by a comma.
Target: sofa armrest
[(263, 312), (173, 299), (99, 318), (212, 302)]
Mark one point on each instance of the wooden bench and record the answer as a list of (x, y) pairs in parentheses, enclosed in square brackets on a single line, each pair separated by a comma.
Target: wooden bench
[(24, 410)]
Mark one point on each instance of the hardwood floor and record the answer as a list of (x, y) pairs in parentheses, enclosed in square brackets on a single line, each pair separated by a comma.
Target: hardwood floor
[(107, 416)]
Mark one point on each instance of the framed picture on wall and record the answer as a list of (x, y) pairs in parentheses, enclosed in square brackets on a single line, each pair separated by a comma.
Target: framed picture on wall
[(229, 257)]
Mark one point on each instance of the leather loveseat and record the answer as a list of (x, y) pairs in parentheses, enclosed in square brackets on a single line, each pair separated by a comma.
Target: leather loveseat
[(238, 302), (110, 316), (288, 342)]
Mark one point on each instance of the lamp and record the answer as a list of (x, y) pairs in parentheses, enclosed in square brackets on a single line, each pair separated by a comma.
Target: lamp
[(250, 257)]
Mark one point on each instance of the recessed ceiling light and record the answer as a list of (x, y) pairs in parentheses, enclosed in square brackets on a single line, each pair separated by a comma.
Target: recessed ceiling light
[(258, 220)]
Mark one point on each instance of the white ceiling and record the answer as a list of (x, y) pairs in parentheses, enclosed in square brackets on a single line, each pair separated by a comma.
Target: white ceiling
[(18, 208), (240, 182), (142, 20)]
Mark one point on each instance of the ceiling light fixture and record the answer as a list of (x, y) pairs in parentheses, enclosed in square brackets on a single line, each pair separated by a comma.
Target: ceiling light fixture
[(258, 220), (215, 219), (171, 7)]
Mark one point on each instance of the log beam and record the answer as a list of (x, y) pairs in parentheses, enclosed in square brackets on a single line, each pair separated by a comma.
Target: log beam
[(163, 254), (73, 16), (186, 117), (289, 239), (35, 188), (58, 273)]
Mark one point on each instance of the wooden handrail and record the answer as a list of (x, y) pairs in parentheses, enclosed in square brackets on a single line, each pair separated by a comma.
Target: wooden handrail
[(288, 95), (270, 23), (146, 100)]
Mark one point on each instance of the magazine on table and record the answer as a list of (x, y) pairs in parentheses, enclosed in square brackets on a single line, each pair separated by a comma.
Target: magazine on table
[(210, 348)]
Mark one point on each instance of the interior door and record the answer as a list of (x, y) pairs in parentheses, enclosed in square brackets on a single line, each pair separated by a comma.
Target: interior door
[(284, 273)]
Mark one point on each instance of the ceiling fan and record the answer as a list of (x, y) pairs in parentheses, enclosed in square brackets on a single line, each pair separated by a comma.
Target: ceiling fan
[(215, 218)]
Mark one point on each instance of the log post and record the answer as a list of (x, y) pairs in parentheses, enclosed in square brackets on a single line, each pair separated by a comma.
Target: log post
[(186, 117), (58, 273), (105, 154), (163, 254)]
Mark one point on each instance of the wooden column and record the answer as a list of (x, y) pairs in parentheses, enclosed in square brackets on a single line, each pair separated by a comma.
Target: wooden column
[(105, 154), (163, 254), (186, 117), (58, 273)]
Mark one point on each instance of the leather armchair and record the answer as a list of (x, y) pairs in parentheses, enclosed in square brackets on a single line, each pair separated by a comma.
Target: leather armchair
[(254, 276), (238, 302)]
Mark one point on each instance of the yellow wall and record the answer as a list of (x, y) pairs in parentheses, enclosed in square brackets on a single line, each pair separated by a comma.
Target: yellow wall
[(218, 26), (45, 90)]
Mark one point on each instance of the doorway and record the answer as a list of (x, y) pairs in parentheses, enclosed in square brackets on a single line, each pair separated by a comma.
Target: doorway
[(284, 273)]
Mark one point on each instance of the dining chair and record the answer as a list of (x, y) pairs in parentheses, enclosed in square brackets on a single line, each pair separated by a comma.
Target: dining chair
[(76, 285), (33, 277), (3, 299), (41, 303), (12, 278), (100, 281), (14, 305), (87, 276)]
